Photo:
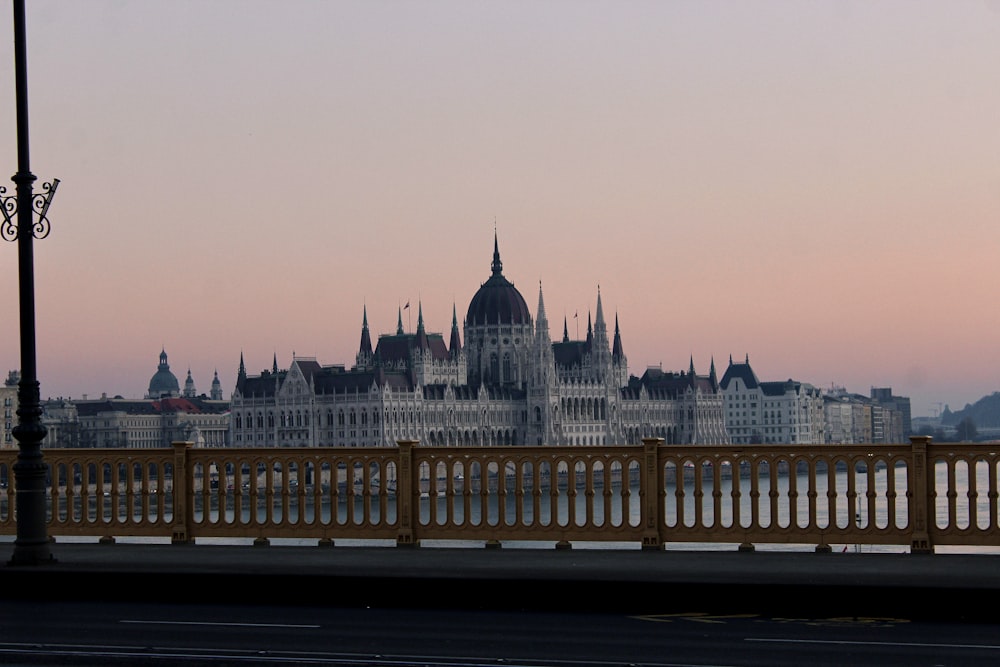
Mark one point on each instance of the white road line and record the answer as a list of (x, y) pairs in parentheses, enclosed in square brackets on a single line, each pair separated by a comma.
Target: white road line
[(234, 625), (992, 647)]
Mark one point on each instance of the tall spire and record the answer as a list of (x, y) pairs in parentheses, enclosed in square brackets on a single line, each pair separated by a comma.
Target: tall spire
[(241, 375), (366, 338), (565, 330), (617, 351), (421, 341), (497, 264), (274, 366), (541, 319), (399, 324), (455, 346), (599, 324)]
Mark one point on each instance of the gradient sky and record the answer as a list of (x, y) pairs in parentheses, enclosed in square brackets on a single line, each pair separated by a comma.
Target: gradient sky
[(815, 184)]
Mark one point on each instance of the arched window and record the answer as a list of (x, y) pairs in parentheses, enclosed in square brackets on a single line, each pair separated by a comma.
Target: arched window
[(494, 368), (507, 376)]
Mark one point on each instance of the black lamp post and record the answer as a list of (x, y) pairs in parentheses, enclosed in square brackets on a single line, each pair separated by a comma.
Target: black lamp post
[(32, 544)]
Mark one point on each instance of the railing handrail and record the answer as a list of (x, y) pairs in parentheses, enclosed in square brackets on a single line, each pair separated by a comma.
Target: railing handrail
[(916, 494)]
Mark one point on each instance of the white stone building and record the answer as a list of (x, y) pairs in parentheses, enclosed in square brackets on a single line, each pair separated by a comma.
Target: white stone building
[(508, 384), (756, 412)]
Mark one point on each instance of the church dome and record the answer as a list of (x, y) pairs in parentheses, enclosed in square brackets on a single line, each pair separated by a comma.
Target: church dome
[(163, 383), (497, 300)]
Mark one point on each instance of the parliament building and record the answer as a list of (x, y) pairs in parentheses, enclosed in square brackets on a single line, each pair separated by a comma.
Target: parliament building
[(509, 383)]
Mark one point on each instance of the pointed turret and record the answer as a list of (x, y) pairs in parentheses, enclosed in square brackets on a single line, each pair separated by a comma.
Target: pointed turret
[(274, 365), (241, 374), (421, 340), (399, 323), (711, 375), (455, 344), (216, 387), (590, 332), (189, 390), (366, 338), (541, 320), (599, 324), (497, 265), (565, 330), (617, 351), (691, 367)]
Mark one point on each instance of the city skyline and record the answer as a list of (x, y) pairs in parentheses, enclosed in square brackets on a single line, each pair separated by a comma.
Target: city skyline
[(812, 185)]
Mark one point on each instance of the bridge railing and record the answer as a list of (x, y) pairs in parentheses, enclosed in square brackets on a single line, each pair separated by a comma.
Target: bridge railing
[(917, 495)]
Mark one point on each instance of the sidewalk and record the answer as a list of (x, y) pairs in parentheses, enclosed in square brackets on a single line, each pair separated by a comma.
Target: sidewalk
[(962, 587)]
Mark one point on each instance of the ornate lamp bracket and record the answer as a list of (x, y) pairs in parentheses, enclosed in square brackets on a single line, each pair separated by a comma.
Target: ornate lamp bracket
[(39, 204)]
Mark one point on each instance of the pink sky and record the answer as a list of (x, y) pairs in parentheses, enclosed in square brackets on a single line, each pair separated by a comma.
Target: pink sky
[(813, 184)]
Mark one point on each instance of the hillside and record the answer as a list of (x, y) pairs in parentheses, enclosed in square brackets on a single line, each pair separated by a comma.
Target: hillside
[(985, 413)]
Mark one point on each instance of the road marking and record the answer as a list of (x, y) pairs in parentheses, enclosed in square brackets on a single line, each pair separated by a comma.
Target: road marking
[(994, 647), (236, 625), (696, 617)]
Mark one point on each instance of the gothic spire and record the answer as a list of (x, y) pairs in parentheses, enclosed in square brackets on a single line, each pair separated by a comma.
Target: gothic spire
[(241, 375), (617, 351), (366, 338), (599, 324), (565, 330), (497, 264), (455, 346), (541, 319), (421, 340), (399, 323)]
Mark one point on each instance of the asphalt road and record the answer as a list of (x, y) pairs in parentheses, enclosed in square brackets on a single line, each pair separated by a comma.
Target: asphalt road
[(142, 633)]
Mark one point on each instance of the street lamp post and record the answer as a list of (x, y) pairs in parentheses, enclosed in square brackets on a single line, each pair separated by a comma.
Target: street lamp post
[(32, 544)]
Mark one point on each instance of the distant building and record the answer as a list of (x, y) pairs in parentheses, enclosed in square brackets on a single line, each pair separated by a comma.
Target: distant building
[(510, 384), (161, 418), (788, 412), (61, 422), (857, 419), (8, 399), (900, 406), (146, 423)]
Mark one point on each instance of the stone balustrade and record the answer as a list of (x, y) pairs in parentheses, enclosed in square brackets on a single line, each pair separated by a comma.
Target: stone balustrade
[(916, 495)]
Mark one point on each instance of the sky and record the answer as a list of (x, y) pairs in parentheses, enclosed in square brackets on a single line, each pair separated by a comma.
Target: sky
[(810, 185)]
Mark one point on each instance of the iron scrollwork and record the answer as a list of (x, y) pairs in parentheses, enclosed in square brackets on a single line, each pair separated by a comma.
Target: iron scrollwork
[(39, 204)]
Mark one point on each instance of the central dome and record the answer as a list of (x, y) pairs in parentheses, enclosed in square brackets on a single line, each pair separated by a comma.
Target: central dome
[(497, 301)]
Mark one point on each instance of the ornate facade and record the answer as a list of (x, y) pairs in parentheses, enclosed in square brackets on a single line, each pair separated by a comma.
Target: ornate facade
[(509, 384)]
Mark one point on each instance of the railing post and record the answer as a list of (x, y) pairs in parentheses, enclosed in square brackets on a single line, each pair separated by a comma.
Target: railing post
[(650, 487), (406, 501), (182, 512), (919, 476)]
